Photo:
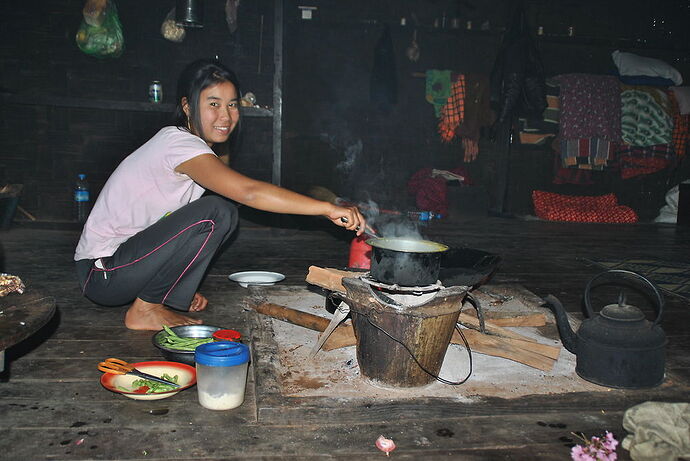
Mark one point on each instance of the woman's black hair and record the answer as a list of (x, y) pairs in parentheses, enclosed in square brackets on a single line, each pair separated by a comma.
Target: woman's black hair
[(194, 79)]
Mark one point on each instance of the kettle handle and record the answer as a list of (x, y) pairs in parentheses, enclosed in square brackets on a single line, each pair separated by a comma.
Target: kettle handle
[(660, 299)]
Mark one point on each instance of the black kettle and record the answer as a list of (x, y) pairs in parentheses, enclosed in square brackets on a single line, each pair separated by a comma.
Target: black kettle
[(618, 347)]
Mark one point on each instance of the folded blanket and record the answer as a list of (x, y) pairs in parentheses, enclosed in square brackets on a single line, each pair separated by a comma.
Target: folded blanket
[(645, 116), (538, 131), (681, 126), (586, 154), (590, 106), (641, 160), (682, 94), (586, 209)]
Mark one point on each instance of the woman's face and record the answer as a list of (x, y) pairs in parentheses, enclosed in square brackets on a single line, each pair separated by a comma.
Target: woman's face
[(218, 112)]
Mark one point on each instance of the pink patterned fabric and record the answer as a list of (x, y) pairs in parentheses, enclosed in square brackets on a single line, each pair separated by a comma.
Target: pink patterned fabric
[(590, 107)]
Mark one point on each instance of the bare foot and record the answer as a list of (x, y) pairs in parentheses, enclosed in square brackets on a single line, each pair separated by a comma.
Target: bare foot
[(148, 316), (199, 303)]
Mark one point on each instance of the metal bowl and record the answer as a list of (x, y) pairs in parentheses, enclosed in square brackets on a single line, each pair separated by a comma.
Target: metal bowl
[(183, 331)]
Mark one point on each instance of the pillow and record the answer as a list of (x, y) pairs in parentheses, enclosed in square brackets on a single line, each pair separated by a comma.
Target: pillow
[(632, 64)]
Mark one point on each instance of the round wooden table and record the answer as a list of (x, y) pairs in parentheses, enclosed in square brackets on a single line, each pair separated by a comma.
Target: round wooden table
[(21, 316)]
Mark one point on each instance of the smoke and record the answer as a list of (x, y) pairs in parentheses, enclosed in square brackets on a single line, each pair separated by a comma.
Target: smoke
[(389, 223), (352, 152)]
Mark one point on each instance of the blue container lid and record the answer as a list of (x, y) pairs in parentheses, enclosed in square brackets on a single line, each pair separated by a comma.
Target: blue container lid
[(222, 354)]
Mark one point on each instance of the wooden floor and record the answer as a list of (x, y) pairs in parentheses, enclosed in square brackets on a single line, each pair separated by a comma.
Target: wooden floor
[(52, 406)]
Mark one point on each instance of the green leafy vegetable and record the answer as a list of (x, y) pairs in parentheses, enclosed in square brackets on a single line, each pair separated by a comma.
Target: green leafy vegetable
[(153, 387)]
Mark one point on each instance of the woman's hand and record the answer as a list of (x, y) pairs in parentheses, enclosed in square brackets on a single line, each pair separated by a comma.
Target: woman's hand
[(348, 217)]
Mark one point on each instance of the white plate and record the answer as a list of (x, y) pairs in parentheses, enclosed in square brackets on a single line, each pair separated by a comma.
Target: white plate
[(256, 278)]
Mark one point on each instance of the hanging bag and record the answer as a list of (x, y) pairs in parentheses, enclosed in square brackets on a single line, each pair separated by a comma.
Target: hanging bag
[(104, 40)]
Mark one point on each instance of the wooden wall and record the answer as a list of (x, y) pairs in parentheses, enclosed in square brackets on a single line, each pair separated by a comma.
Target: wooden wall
[(327, 116), (45, 146)]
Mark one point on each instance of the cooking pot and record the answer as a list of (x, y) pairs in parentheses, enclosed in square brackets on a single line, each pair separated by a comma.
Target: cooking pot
[(405, 261)]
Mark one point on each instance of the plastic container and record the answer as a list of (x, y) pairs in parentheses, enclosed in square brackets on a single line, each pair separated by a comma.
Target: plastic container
[(221, 374), (360, 253), (227, 335), (81, 198)]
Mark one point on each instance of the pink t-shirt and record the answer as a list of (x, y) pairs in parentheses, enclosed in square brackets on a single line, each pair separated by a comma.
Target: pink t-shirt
[(141, 190)]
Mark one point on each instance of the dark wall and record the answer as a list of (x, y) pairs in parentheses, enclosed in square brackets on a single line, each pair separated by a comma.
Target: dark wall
[(45, 146), (333, 136)]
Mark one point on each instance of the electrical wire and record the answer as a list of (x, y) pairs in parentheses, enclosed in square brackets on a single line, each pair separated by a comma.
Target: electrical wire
[(438, 378)]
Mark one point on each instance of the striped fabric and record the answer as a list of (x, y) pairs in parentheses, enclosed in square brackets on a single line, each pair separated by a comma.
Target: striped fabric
[(586, 153), (539, 131)]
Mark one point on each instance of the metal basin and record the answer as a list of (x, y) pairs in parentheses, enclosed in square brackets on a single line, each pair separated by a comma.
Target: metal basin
[(183, 331)]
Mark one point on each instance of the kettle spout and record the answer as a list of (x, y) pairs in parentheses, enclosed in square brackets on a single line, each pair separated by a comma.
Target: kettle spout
[(568, 337)]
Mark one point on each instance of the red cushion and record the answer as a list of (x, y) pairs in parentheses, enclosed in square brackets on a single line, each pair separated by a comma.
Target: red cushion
[(601, 209)]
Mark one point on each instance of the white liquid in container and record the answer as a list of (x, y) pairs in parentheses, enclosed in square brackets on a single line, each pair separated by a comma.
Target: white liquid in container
[(221, 372), (221, 401)]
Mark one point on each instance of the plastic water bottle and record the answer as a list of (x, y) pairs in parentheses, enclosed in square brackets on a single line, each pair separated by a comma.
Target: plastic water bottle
[(423, 217), (81, 198)]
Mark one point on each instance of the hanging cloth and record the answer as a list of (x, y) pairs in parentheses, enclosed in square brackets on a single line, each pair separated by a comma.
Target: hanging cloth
[(437, 88), (383, 90), (454, 110), (517, 79)]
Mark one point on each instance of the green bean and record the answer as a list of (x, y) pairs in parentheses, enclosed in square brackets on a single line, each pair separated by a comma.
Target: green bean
[(176, 342)]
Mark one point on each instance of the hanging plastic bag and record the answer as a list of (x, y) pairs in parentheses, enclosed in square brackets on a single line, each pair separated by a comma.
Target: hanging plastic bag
[(94, 12), (170, 30), (106, 40)]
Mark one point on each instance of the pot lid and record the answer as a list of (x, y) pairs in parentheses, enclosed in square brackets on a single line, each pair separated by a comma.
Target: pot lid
[(622, 312)]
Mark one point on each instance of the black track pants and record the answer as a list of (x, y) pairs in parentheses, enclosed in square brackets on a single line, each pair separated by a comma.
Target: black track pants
[(164, 263)]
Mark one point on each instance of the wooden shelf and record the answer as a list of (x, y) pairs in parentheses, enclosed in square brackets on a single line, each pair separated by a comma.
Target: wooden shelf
[(105, 104)]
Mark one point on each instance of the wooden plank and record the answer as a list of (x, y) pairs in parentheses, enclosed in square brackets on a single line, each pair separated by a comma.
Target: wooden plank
[(329, 278), (501, 320), (447, 436), (491, 345), (491, 328)]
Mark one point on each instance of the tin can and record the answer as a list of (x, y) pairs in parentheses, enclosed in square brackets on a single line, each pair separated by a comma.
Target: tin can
[(155, 91)]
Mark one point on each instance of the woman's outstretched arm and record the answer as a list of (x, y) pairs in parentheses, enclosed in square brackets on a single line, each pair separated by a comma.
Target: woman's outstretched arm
[(211, 173)]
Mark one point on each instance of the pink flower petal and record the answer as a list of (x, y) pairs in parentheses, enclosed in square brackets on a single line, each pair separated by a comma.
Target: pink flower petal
[(385, 445)]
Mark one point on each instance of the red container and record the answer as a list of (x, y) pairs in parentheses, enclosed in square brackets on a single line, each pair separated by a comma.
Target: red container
[(227, 335), (360, 253)]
